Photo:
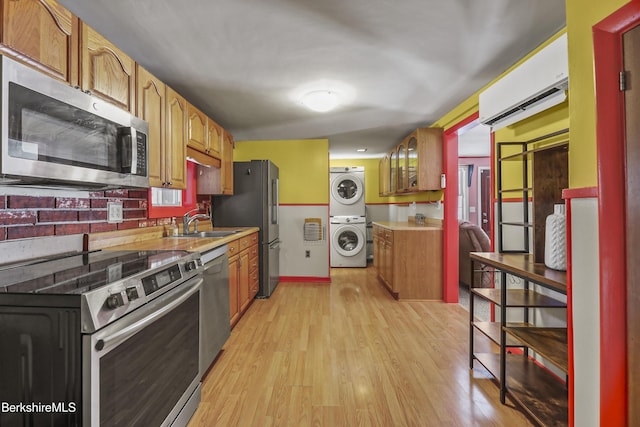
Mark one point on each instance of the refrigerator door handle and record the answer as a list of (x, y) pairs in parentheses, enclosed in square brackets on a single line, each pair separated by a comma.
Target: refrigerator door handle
[(274, 245), (275, 204)]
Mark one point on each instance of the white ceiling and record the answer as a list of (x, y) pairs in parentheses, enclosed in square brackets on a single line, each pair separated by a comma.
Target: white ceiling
[(401, 64)]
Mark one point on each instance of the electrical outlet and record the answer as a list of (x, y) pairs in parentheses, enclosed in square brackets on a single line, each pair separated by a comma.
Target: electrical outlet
[(307, 253), (114, 212)]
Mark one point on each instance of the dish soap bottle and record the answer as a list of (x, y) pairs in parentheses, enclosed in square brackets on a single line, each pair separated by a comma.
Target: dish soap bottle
[(173, 228)]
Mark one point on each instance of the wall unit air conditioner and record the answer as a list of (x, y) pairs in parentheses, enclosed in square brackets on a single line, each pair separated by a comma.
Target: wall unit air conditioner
[(535, 85)]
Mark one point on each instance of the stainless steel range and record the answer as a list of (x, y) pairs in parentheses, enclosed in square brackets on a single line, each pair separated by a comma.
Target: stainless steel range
[(105, 338)]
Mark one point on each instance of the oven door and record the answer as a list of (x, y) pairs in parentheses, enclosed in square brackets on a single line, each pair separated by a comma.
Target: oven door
[(143, 369)]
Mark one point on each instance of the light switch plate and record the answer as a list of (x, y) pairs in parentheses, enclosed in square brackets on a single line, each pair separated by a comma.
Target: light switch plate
[(114, 212)]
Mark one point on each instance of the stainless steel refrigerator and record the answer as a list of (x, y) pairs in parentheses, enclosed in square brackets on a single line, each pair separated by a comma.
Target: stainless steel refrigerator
[(254, 203)]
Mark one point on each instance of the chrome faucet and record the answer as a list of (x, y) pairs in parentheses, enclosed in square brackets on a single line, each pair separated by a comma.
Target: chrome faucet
[(187, 219)]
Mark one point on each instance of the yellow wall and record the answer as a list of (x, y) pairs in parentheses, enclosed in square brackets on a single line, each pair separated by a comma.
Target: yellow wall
[(581, 16), (303, 166), (548, 121)]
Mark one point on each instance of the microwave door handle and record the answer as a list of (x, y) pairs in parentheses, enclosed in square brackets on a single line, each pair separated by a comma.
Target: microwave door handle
[(134, 151), (114, 339)]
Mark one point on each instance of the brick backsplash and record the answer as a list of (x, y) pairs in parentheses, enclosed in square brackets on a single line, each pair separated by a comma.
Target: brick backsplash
[(33, 216)]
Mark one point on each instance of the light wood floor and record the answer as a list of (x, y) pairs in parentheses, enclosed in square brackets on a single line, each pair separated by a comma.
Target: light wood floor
[(347, 354)]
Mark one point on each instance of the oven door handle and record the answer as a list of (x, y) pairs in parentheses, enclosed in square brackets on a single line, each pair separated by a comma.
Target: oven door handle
[(126, 332)]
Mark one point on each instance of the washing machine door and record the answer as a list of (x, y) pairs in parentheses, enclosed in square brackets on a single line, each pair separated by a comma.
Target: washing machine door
[(348, 240), (347, 188)]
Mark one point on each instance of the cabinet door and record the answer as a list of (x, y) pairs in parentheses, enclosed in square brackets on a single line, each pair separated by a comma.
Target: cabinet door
[(175, 139), (151, 107), (383, 176), (234, 306), (196, 129), (106, 71), (402, 167), (243, 280), (43, 34), (214, 138), (412, 163), (429, 159), (227, 164), (393, 171)]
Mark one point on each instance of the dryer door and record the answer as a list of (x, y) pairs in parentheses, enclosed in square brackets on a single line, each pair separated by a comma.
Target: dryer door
[(347, 188), (348, 240)]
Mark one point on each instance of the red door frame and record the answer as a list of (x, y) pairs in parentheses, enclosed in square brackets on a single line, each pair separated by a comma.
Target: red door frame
[(610, 137), (451, 239)]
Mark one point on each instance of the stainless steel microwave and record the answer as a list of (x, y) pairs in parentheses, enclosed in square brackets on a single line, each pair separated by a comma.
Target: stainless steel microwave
[(53, 134)]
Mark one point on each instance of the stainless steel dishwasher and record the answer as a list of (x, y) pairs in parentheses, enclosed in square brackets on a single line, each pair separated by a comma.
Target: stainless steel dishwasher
[(214, 306)]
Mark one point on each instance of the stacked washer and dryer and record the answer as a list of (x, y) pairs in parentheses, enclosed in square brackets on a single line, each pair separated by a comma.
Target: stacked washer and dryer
[(347, 223)]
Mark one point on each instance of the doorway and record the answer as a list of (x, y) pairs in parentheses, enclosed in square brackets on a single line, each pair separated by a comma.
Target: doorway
[(616, 43), (473, 158)]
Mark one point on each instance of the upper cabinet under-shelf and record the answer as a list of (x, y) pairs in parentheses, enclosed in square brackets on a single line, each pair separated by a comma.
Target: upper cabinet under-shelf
[(413, 165)]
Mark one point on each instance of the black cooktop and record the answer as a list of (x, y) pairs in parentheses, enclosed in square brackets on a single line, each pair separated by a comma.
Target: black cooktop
[(79, 272)]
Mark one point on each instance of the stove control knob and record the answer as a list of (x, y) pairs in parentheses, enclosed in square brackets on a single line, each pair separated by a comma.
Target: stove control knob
[(190, 266), (132, 293), (114, 301)]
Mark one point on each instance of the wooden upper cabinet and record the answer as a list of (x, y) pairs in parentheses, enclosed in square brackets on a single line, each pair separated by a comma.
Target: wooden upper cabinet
[(383, 176), (428, 159), (227, 163), (42, 34), (214, 138), (151, 107), (105, 70), (196, 129), (413, 165), (176, 135)]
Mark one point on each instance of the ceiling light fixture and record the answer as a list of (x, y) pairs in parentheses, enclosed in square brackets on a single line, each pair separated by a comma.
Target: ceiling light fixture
[(320, 100), (361, 150)]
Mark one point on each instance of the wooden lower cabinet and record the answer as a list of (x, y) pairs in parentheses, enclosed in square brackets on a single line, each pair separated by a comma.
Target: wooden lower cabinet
[(243, 275), (408, 260)]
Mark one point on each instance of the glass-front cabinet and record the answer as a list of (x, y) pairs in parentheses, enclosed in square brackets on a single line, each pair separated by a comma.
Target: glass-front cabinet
[(412, 161), (402, 168), (414, 165), (393, 171)]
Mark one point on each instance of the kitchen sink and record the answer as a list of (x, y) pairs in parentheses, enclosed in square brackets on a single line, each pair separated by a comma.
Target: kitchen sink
[(211, 234)]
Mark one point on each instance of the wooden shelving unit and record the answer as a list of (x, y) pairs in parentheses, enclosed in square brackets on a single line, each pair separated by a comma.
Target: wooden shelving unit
[(541, 172), (540, 393)]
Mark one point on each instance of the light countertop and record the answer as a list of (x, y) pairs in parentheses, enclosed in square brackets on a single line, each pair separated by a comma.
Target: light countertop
[(191, 244), (407, 226)]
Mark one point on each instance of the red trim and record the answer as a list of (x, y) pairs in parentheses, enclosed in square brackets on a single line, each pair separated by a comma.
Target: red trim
[(407, 203), (580, 193), (607, 43), (512, 199), (493, 190), (188, 198), (304, 204), (450, 225), (305, 279), (570, 313)]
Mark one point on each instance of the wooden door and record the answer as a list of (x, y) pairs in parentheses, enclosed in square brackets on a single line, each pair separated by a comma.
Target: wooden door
[(631, 46), (175, 140), (214, 138), (151, 107), (43, 34), (234, 305), (243, 280), (227, 164), (106, 71), (196, 129), (485, 200)]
